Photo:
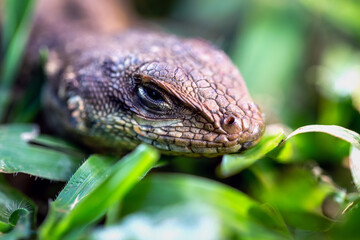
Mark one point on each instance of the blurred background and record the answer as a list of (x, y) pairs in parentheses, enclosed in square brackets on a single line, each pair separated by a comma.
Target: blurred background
[(301, 62)]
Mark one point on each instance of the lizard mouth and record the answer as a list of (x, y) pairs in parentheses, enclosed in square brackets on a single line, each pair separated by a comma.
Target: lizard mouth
[(203, 148), (210, 144)]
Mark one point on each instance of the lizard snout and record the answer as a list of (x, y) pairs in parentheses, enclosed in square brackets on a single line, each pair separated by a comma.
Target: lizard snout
[(245, 126)]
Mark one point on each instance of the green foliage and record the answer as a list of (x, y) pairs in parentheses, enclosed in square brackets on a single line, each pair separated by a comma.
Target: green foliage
[(288, 197), (17, 154), (343, 14), (17, 212), (234, 163), (96, 186), (16, 19), (233, 212), (268, 52), (300, 60)]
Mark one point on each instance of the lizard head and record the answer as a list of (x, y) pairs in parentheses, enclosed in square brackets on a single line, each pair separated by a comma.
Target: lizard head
[(183, 96)]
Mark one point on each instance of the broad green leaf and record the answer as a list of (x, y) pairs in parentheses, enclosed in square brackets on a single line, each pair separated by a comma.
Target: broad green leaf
[(234, 163), (236, 214), (90, 193), (17, 155), (15, 208)]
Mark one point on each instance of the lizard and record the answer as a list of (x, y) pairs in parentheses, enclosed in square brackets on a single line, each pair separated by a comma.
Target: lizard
[(112, 90)]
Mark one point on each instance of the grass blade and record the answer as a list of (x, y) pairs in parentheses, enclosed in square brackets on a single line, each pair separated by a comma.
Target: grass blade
[(345, 134), (15, 48), (87, 207)]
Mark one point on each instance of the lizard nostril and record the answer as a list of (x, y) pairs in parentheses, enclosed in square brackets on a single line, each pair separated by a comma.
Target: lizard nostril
[(229, 120), (232, 124)]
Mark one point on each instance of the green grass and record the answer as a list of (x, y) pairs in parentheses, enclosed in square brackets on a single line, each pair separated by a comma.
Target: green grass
[(16, 19), (301, 61)]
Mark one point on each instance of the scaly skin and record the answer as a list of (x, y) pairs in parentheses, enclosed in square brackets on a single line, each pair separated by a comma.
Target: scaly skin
[(99, 88)]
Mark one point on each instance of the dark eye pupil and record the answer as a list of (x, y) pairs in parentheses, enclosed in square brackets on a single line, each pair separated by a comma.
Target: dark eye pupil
[(154, 95)]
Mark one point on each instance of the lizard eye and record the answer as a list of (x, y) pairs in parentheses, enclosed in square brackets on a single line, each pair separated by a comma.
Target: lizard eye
[(153, 99)]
